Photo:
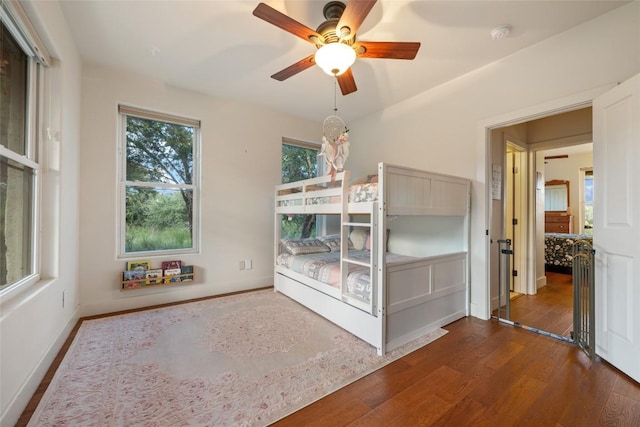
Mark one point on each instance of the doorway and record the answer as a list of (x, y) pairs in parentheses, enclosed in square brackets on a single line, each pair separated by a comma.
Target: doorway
[(550, 148), (616, 114)]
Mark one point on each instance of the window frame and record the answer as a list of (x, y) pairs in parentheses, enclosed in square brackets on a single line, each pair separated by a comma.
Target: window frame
[(17, 24), (125, 111)]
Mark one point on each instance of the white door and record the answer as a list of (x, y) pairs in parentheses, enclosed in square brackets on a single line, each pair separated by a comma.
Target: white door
[(616, 236)]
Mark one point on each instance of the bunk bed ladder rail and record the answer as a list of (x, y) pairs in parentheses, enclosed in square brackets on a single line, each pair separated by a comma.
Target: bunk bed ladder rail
[(584, 297), (371, 305)]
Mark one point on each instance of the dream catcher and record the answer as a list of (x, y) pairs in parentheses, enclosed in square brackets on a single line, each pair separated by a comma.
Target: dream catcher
[(335, 144)]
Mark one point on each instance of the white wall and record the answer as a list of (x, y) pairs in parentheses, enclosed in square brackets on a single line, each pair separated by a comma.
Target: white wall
[(33, 323), (438, 130), (240, 155)]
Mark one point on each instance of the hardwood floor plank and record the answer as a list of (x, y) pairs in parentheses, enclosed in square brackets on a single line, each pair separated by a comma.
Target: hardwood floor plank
[(587, 402), (565, 379), (620, 411), (332, 407), (518, 397), (502, 355), (551, 309), (627, 387), (414, 406), (467, 412), (371, 419)]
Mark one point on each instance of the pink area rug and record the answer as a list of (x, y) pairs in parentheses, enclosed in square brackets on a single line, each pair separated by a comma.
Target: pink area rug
[(247, 359)]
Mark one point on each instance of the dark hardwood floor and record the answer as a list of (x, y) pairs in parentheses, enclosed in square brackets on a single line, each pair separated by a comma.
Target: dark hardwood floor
[(484, 373), (480, 373), (551, 309)]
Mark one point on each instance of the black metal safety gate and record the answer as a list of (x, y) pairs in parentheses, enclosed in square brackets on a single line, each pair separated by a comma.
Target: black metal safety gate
[(583, 333), (584, 324)]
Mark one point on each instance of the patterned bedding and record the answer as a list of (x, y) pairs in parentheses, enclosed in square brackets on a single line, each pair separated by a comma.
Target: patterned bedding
[(558, 247), (325, 267), (357, 193)]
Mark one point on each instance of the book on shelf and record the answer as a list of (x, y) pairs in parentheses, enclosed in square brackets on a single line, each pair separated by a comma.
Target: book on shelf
[(139, 264), (154, 276), (133, 278), (172, 275), (186, 272), (166, 265)]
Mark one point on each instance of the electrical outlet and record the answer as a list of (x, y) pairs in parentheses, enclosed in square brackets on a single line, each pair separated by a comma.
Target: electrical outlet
[(241, 265), (248, 264)]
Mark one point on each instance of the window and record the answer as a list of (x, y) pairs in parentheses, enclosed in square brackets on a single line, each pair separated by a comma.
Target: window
[(299, 161), (159, 185), (587, 203), (20, 85)]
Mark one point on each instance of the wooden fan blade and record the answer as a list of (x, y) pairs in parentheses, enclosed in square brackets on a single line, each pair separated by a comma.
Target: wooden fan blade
[(352, 17), (290, 25), (391, 50), (294, 69), (347, 82)]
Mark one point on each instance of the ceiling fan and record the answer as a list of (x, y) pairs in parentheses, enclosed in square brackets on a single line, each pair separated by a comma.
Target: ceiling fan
[(337, 33)]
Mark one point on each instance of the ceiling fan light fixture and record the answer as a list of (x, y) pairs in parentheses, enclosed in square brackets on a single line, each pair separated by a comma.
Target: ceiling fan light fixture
[(335, 58)]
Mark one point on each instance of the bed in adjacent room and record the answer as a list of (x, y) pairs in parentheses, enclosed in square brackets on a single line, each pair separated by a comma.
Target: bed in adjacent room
[(558, 255)]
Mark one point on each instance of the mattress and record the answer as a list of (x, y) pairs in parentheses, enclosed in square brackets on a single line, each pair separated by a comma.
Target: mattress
[(325, 267)]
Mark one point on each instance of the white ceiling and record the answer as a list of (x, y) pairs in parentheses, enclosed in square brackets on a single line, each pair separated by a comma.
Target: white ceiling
[(218, 47)]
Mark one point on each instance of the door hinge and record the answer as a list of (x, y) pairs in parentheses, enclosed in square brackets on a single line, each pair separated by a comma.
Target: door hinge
[(515, 273), (515, 221), (515, 169)]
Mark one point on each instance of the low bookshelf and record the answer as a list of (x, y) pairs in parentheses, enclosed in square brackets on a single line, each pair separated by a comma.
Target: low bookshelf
[(140, 274)]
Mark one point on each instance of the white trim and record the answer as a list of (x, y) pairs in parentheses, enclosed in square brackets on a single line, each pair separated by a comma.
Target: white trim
[(18, 23), (158, 116), (194, 186), (18, 158), (33, 149)]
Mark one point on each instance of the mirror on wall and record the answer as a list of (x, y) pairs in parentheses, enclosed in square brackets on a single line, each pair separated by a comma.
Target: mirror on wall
[(556, 196)]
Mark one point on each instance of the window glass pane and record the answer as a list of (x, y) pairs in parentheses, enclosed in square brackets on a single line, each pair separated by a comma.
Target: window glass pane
[(13, 90), (158, 219), (16, 221), (298, 163), (159, 151), (588, 202), (588, 188), (298, 226)]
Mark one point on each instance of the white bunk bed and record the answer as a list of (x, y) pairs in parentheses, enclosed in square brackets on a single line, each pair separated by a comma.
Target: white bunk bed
[(424, 288)]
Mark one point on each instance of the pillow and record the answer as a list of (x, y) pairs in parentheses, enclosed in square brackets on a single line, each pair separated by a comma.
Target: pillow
[(358, 237), (361, 239), (333, 242), (304, 246)]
